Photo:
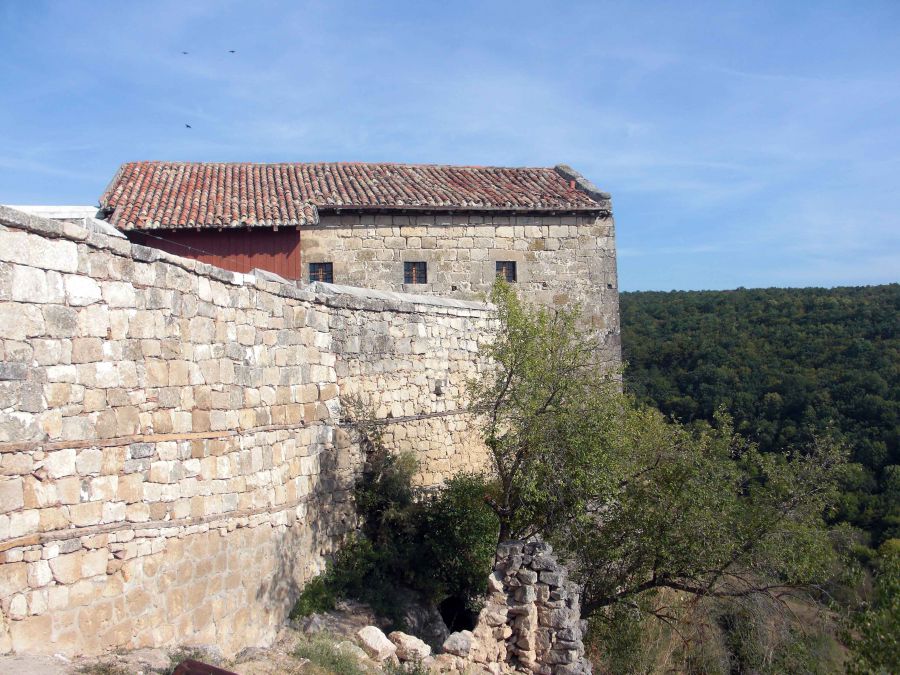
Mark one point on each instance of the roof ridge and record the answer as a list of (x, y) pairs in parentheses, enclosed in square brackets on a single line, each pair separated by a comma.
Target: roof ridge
[(340, 163)]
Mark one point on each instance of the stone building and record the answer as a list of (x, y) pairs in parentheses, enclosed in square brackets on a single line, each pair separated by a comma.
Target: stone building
[(174, 460), (434, 229)]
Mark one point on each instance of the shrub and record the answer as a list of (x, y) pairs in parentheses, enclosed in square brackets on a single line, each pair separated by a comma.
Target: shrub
[(103, 668), (459, 540), (322, 652), (318, 596), (437, 545), (414, 667)]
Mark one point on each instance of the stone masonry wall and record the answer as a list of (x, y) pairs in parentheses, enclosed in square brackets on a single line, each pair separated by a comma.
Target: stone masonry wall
[(172, 463), (560, 260)]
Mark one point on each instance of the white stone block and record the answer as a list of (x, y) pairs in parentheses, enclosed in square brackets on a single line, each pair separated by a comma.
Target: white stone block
[(89, 461), (376, 643), (106, 375), (39, 574), (20, 321), (118, 294), (18, 607), (409, 647), (23, 522), (29, 285), (82, 290), (60, 463)]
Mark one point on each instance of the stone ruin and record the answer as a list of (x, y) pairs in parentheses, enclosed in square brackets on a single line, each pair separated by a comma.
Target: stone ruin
[(531, 622)]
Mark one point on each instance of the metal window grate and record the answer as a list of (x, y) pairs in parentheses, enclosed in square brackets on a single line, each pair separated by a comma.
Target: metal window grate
[(506, 270), (323, 271), (415, 273)]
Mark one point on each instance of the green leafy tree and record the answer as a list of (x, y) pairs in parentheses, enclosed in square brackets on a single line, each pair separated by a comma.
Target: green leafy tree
[(641, 504), (874, 634), (543, 406)]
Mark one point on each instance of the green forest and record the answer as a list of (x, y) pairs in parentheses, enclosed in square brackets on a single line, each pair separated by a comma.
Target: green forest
[(788, 365)]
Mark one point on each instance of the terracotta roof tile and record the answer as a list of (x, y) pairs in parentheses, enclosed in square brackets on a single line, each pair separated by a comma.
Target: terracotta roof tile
[(177, 194)]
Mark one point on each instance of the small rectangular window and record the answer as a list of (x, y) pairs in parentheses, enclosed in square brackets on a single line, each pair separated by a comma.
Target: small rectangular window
[(506, 270), (415, 273), (323, 271)]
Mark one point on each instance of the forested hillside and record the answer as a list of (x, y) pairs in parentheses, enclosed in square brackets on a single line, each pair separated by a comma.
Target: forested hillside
[(787, 364)]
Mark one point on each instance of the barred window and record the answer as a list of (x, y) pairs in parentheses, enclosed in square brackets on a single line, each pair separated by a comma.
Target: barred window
[(415, 273), (506, 270), (322, 271)]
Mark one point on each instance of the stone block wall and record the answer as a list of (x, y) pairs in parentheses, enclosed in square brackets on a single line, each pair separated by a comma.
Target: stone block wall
[(410, 371), (560, 260), (173, 465)]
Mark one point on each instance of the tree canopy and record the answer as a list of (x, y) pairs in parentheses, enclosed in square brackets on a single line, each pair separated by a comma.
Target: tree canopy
[(787, 365)]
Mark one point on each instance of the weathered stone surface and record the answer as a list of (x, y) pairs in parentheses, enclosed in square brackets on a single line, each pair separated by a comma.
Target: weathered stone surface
[(551, 578), (495, 582), (527, 576), (461, 644), (409, 647), (13, 580), (39, 574), (19, 321), (526, 594), (60, 463), (375, 643), (493, 614), (11, 493), (29, 664), (29, 284), (448, 663), (545, 563), (66, 569), (81, 290)]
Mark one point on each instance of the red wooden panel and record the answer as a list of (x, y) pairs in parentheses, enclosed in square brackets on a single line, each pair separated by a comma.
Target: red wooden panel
[(235, 250), (192, 667)]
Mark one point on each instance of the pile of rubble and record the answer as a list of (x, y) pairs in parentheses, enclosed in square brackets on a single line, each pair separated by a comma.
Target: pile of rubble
[(530, 623)]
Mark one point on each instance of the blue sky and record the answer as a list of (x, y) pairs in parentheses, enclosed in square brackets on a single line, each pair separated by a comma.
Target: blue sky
[(745, 143)]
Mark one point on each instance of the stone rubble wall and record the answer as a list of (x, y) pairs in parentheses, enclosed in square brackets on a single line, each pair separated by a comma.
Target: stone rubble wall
[(173, 465), (531, 622), (561, 260)]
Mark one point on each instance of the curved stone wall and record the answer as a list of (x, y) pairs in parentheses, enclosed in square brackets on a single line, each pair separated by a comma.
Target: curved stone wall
[(173, 465)]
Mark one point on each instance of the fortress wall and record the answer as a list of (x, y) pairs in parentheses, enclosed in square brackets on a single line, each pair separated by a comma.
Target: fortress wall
[(409, 369), (173, 466)]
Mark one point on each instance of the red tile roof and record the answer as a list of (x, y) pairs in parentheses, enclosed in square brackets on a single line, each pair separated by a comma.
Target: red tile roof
[(150, 195)]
